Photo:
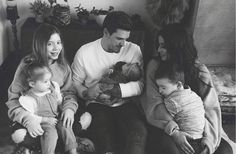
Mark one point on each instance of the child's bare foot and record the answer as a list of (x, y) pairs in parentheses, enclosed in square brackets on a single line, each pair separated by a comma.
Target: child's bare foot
[(85, 120)]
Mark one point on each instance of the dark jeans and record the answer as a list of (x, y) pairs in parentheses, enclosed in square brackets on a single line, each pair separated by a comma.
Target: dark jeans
[(196, 145), (158, 142), (120, 129)]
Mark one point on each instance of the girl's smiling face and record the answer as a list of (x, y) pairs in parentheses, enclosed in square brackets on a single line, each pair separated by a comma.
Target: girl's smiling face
[(54, 47)]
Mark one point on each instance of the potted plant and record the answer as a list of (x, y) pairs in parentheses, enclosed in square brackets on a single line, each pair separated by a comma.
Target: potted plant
[(41, 10), (61, 13), (82, 14), (99, 15)]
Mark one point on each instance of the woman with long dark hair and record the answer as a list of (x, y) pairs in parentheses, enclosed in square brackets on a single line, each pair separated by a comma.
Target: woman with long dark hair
[(174, 46)]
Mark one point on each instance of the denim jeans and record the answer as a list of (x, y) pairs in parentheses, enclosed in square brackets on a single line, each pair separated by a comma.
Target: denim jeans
[(117, 129)]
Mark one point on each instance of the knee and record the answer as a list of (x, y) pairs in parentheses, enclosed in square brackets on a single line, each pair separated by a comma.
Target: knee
[(138, 135), (51, 132), (139, 130), (19, 135)]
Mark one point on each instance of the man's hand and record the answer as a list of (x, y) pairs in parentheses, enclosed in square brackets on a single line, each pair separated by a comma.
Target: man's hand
[(93, 92), (67, 118), (180, 139), (34, 129)]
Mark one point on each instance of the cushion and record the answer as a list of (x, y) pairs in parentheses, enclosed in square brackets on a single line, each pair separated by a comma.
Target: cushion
[(224, 81)]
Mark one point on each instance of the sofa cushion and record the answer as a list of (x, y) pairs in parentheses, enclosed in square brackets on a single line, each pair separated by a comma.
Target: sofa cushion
[(224, 81)]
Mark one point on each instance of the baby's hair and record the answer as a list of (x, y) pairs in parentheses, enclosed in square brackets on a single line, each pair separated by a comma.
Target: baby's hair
[(133, 74), (35, 71), (170, 72), (118, 66)]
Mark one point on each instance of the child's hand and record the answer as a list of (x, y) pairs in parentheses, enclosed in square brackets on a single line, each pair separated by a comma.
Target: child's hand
[(183, 145), (50, 120), (104, 97), (34, 129)]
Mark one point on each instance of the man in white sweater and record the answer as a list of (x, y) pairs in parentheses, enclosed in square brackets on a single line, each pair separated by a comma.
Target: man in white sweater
[(93, 60)]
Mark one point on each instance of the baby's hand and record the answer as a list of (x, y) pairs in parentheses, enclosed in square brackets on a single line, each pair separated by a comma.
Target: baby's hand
[(104, 97), (50, 120)]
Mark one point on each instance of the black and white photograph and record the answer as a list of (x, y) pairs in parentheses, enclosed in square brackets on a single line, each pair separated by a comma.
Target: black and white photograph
[(117, 77)]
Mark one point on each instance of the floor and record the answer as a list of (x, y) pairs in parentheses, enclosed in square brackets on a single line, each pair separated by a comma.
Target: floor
[(8, 147)]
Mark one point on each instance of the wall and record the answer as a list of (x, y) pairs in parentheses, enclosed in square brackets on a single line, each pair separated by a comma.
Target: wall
[(215, 31), (3, 33), (130, 6)]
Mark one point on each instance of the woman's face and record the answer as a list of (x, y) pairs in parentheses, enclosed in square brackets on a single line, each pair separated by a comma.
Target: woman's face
[(161, 50), (54, 47)]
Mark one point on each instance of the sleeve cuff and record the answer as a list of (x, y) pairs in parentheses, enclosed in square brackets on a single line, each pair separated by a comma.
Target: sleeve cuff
[(130, 89), (171, 127)]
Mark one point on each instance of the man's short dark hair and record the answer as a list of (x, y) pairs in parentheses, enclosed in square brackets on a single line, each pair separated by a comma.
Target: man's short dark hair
[(117, 20)]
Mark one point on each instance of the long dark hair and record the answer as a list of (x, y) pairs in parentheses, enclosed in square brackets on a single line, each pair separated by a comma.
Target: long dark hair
[(39, 46), (180, 46)]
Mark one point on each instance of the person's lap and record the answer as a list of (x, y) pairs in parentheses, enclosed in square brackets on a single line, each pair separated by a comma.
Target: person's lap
[(158, 142), (126, 120), (133, 127), (102, 128)]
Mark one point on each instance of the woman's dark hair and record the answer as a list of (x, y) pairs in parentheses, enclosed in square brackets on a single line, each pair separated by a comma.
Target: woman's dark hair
[(171, 72), (40, 40), (179, 44), (117, 20)]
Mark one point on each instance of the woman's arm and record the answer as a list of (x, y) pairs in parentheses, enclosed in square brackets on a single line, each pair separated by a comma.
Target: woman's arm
[(152, 102), (15, 111), (213, 121), (69, 103), (68, 91)]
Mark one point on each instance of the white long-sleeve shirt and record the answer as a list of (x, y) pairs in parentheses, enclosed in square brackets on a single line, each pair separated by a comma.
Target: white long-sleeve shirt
[(91, 61)]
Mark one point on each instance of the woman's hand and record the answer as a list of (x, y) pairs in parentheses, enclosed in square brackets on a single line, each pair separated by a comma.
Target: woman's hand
[(34, 128), (67, 118), (205, 150), (180, 139)]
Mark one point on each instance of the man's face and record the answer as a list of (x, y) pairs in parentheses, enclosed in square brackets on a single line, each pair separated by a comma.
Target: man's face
[(117, 40)]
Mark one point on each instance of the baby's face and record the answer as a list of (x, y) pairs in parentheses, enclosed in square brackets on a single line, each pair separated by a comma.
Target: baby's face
[(44, 83), (166, 87)]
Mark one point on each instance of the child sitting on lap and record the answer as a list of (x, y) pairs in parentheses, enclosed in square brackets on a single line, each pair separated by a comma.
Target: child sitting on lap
[(184, 105), (43, 100)]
